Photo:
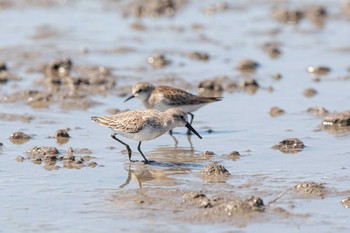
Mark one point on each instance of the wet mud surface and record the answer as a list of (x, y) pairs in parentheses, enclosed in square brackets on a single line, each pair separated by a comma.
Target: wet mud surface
[(275, 149)]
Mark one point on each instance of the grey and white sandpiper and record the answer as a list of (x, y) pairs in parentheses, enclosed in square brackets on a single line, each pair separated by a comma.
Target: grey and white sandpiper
[(144, 125), (164, 97)]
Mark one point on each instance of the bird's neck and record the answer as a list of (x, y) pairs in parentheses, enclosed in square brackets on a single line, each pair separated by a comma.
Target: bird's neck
[(169, 123), (147, 104)]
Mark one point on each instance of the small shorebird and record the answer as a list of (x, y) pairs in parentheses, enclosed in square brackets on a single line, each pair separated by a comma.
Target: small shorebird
[(144, 125), (164, 97)]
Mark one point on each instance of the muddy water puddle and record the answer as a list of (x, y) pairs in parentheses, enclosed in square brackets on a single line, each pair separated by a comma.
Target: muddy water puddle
[(274, 153)]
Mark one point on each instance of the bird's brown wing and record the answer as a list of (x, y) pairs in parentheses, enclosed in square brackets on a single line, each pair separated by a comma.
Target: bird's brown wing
[(176, 97), (130, 122)]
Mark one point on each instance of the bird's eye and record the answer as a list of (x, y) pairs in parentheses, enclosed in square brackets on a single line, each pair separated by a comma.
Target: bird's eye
[(140, 90), (182, 117)]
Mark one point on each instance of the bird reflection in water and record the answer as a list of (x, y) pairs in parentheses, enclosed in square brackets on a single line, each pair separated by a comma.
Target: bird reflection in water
[(171, 161), (161, 177)]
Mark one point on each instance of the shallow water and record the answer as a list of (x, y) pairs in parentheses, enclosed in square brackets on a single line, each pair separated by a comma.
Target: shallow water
[(80, 200)]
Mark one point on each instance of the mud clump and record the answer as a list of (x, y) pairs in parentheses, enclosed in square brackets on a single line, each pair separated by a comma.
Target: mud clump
[(276, 111), (62, 86), (62, 136), (272, 49), (234, 155), (39, 100), (223, 206), (247, 66), (42, 151), (311, 189), (216, 8), (62, 133), (198, 199), (214, 173), (215, 169), (290, 146), (317, 15), (337, 123), (153, 8), (20, 159), (52, 159), (59, 67), (19, 138), (318, 70), (3, 66), (158, 61), (340, 119), (249, 85), (200, 56), (346, 202), (318, 111), (208, 154), (310, 92), (289, 16), (210, 86), (5, 74), (276, 76), (248, 205), (189, 196)]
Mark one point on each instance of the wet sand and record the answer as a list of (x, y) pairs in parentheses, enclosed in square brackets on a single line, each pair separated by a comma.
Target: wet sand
[(274, 153)]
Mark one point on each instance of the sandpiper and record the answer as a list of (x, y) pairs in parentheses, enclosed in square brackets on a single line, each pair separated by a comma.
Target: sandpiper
[(144, 125), (164, 97)]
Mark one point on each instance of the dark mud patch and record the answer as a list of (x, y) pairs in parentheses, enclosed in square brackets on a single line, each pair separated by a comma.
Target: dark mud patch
[(341, 119), (276, 111), (52, 159), (19, 138), (289, 146), (6, 75), (272, 49), (318, 111), (337, 123), (234, 155), (247, 66), (310, 92), (214, 172), (208, 154), (61, 136), (66, 85), (346, 202), (214, 87), (318, 70), (311, 189), (316, 14), (196, 206), (158, 61), (199, 56), (152, 8)]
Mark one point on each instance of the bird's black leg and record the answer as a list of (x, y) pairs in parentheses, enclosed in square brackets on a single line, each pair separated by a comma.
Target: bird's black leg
[(126, 145), (192, 116), (144, 157)]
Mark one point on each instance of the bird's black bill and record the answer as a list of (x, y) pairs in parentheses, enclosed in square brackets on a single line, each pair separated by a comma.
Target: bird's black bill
[(188, 126), (130, 97)]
